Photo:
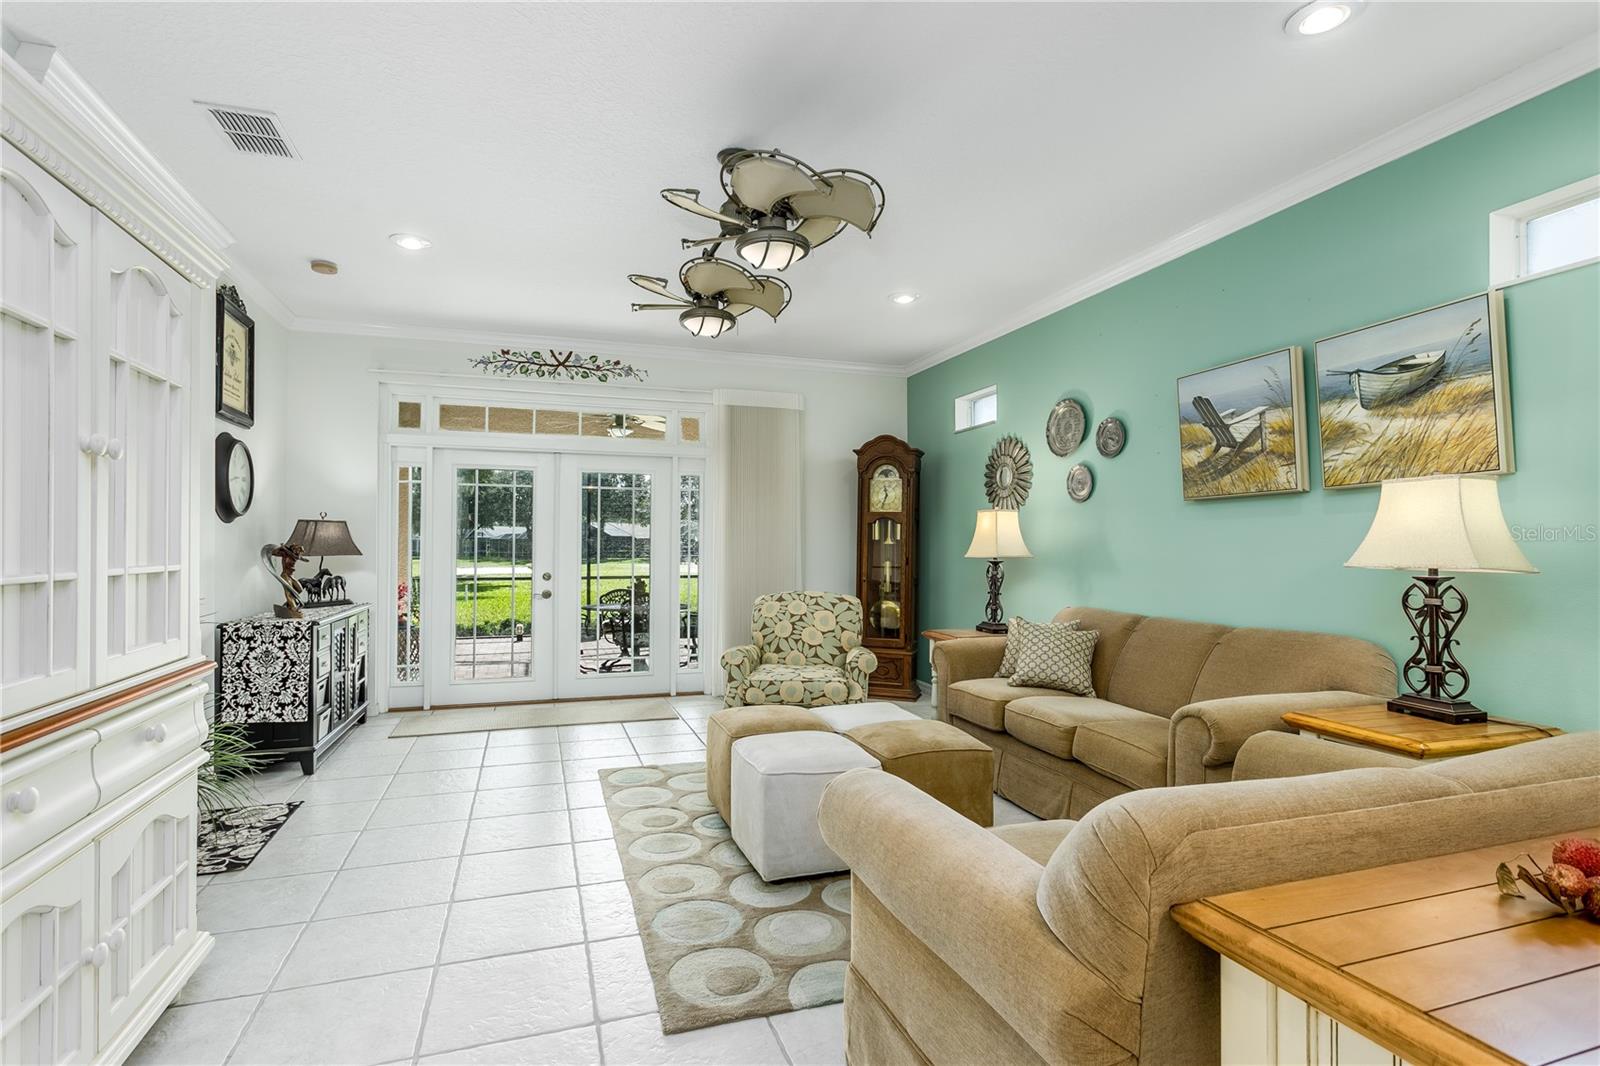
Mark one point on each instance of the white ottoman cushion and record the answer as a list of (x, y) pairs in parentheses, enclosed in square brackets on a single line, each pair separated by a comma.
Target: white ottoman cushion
[(776, 781), (844, 717)]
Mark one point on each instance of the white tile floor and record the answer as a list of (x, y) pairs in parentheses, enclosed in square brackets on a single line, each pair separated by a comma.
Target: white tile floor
[(453, 899)]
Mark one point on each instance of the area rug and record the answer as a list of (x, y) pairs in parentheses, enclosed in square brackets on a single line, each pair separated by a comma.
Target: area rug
[(721, 943), (526, 716), (231, 838)]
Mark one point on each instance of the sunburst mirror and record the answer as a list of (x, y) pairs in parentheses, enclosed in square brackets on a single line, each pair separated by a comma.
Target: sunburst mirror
[(1008, 475)]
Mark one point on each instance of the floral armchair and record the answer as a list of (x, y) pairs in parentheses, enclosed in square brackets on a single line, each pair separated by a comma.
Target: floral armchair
[(806, 651)]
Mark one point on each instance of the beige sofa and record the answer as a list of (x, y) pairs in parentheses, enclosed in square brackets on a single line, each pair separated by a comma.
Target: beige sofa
[(1173, 702), (1051, 942)]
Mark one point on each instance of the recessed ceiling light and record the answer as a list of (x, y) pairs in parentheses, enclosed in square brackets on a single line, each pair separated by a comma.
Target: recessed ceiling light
[(904, 298), (1321, 16), (410, 241)]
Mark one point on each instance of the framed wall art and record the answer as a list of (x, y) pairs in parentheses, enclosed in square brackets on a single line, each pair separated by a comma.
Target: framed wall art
[(1241, 427), (236, 359), (1425, 393)]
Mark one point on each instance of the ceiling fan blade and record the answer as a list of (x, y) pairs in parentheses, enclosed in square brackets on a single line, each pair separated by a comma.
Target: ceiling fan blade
[(657, 307), (850, 195), (704, 242), (689, 200), (759, 181), (708, 277), (657, 286), (820, 230), (768, 294)]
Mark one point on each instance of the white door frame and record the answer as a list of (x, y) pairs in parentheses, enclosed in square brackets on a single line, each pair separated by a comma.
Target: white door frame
[(439, 579)]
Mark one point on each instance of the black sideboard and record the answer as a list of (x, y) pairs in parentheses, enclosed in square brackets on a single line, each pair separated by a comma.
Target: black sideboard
[(298, 684)]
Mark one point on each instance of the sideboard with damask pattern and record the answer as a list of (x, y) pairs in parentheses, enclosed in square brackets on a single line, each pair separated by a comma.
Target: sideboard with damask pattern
[(299, 684)]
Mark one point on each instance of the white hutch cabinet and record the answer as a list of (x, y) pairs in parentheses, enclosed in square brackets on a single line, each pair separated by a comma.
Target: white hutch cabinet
[(105, 311)]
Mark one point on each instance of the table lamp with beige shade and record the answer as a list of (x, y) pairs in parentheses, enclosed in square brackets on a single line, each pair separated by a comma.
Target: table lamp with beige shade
[(1430, 524), (997, 536)]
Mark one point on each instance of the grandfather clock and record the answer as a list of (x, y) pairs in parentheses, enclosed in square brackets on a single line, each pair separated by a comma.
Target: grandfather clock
[(886, 561)]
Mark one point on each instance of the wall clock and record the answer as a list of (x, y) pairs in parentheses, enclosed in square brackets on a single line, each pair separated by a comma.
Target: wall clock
[(236, 477), (1008, 475)]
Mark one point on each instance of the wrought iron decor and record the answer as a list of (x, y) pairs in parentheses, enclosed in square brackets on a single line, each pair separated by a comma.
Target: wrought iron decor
[(1437, 680), (554, 365), (1008, 475)]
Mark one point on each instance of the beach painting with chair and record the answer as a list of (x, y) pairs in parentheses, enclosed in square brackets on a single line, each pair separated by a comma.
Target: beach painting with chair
[(1417, 395), (1241, 428)]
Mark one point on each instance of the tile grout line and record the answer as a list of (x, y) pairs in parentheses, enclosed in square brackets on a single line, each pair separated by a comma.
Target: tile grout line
[(444, 933)]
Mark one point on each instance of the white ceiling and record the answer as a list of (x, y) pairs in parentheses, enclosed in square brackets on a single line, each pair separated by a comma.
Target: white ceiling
[(1024, 147)]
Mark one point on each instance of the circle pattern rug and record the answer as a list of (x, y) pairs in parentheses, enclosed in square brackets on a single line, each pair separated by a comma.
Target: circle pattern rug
[(721, 943)]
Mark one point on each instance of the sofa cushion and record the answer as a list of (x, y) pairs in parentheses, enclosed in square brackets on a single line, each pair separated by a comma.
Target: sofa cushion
[(1114, 628), (1248, 662), (803, 686), (982, 700), (1158, 666), (1057, 656), (1037, 840), (1018, 632), (1131, 751), (1048, 722)]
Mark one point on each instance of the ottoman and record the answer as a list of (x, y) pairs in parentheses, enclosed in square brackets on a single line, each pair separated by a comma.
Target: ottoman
[(777, 781), (733, 723), (843, 717), (941, 760)]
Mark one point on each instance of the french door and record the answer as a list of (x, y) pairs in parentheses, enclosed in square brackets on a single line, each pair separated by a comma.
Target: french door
[(550, 577)]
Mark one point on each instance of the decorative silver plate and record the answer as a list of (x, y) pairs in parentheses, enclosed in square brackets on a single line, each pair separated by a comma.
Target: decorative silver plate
[(1063, 430), (1110, 436), (1008, 475), (1080, 483)]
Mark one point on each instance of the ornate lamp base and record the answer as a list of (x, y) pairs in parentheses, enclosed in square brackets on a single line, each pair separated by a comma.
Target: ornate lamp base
[(993, 615), (1437, 680), (1456, 712)]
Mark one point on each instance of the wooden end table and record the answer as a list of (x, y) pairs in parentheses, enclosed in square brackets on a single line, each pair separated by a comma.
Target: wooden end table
[(934, 636), (1423, 960), (1375, 726)]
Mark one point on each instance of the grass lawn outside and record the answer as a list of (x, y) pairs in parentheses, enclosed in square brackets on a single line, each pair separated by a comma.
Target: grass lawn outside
[(494, 595)]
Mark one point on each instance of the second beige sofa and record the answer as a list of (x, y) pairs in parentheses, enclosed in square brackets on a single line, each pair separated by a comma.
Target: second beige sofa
[(1174, 700)]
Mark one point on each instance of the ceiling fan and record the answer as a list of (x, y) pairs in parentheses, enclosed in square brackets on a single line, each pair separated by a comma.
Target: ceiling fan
[(719, 291), (778, 209)]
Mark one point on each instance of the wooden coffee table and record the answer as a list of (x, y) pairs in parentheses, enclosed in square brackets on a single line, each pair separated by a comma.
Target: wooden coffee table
[(1375, 726)]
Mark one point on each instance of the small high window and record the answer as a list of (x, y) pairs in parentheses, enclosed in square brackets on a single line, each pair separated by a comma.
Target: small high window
[(979, 408), (1556, 231)]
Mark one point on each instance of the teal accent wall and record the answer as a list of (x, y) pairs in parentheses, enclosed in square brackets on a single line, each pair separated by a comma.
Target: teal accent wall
[(1409, 235)]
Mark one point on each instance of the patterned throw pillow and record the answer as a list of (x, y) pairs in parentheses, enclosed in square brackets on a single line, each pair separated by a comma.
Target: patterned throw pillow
[(1015, 634), (1056, 657)]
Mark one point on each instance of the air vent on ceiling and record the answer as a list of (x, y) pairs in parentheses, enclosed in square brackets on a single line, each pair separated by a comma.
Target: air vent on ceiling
[(250, 131)]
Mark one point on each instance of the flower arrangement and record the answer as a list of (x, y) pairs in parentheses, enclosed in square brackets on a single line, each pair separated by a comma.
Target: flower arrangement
[(1571, 881), (567, 366)]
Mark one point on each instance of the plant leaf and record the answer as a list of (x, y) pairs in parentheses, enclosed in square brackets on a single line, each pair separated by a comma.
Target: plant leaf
[(1507, 881)]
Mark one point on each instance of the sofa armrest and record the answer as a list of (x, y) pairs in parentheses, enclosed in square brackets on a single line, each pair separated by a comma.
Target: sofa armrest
[(969, 897), (1271, 754), (1206, 736), (961, 660)]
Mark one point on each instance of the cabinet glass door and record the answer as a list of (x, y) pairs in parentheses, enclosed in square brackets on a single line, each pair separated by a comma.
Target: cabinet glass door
[(47, 948), (143, 408), (45, 448)]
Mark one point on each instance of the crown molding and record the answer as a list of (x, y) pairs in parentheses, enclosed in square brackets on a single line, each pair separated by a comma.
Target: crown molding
[(620, 349), (53, 116), (1519, 86)]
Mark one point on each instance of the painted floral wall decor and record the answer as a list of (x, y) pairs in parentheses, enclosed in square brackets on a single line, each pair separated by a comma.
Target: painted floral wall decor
[(553, 365)]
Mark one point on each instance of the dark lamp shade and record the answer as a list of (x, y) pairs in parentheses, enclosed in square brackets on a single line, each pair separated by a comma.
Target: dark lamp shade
[(323, 536)]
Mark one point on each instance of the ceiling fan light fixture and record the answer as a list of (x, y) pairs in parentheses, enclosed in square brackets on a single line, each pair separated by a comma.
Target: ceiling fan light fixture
[(707, 320), (772, 247)]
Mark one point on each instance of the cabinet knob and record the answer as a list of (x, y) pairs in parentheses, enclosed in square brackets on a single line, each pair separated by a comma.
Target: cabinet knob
[(113, 448), (23, 801), (92, 444), (155, 733), (97, 955), (116, 939)]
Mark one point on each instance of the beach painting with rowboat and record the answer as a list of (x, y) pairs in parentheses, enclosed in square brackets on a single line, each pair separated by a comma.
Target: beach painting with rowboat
[(1422, 394)]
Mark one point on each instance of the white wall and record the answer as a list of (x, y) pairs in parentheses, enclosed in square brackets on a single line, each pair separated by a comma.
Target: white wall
[(331, 438), (233, 581)]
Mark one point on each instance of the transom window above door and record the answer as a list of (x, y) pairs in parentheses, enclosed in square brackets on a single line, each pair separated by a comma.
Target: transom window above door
[(633, 424)]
